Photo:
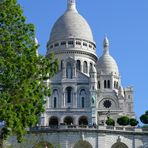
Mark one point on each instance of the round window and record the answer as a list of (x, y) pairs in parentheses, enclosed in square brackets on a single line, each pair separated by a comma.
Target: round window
[(107, 103)]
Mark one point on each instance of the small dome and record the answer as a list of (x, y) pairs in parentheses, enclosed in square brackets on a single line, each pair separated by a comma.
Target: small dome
[(106, 62), (71, 25)]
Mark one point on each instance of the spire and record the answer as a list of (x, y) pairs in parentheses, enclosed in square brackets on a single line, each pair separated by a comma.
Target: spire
[(71, 5), (106, 45)]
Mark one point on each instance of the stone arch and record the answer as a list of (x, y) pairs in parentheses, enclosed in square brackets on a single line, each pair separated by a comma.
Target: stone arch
[(68, 120), (82, 144), (43, 144), (83, 120), (119, 145), (53, 121)]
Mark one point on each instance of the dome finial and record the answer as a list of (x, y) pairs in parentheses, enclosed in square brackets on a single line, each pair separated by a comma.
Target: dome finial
[(72, 5), (106, 44)]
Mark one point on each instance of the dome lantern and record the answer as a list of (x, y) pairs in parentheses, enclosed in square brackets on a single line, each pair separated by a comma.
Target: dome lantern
[(71, 5), (106, 45)]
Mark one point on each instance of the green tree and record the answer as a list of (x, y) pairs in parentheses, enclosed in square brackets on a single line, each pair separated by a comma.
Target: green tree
[(144, 118), (124, 120), (110, 122), (82, 144), (22, 72), (43, 145), (133, 122)]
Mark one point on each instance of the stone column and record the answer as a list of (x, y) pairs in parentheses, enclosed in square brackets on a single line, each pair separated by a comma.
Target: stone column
[(64, 99), (50, 102), (64, 70)]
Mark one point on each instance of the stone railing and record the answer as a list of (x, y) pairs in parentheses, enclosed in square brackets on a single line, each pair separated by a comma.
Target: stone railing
[(86, 127)]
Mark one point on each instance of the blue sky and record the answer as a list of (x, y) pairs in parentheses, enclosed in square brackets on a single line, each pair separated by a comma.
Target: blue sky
[(124, 21)]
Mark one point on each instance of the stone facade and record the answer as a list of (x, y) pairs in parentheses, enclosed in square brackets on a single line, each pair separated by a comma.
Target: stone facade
[(87, 88)]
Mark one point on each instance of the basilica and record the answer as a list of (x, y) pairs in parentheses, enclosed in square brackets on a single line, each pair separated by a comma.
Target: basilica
[(87, 88), (86, 91)]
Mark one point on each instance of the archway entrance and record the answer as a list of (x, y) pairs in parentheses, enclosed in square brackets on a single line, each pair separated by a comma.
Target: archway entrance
[(43, 144), (83, 120), (119, 145), (68, 120), (53, 121), (82, 144)]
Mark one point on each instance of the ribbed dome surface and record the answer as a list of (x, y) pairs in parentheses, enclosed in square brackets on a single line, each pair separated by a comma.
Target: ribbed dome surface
[(107, 64), (71, 25)]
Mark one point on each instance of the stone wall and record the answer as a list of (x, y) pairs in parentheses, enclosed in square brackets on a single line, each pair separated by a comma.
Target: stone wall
[(101, 137)]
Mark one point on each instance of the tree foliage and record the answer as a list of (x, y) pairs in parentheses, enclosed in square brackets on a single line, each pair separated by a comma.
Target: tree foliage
[(124, 120), (133, 122), (144, 118), (110, 122), (22, 72), (82, 144), (43, 145)]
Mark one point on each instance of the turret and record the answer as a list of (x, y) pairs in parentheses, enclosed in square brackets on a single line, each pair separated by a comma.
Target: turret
[(93, 78)]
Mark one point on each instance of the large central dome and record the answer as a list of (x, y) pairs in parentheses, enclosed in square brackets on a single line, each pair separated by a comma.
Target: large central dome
[(71, 25)]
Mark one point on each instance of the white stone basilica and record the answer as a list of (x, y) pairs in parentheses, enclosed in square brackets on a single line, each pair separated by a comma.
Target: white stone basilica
[(86, 89)]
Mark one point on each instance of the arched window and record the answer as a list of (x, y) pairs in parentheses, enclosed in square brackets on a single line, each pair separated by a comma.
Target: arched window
[(83, 103), (90, 67), (114, 84), (99, 85), (55, 98), (85, 67), (82, 98), (83, 120), (78, 65), (108, 83), (69, 94), (68, 120), (117, 85), (104, 83), (55, 102), (69, 71), (53, 121)]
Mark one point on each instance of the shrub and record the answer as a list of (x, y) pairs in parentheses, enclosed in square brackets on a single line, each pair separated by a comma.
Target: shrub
[(144, 118), (124, 120), (110, 122), (133, 122)]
